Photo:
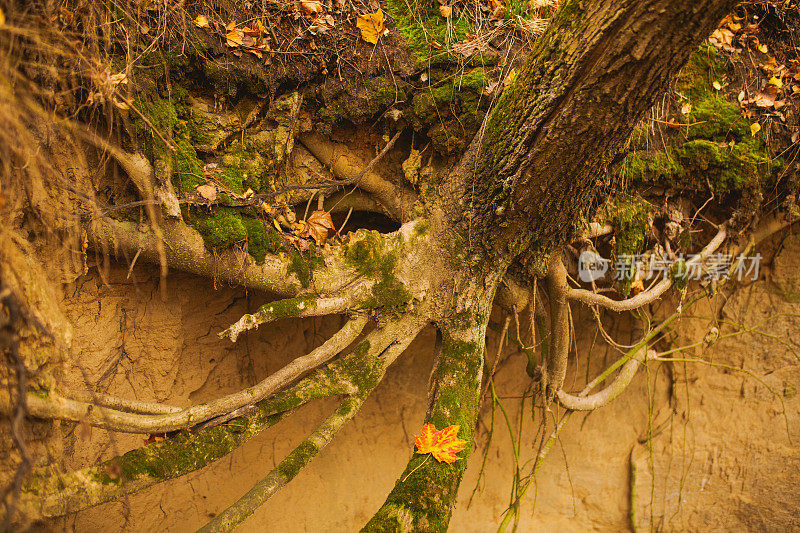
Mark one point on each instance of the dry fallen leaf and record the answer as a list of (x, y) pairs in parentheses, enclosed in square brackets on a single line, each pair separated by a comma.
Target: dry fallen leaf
[(763, 48), (201, 21), (774, 80), (723, 36), (311, 8), (766, 98), (2, 17), (770, 65), (318, 226), (445, 11), (371, 26), (755, 127), (443, 445), (234, 38), (717, 85), (686, 108), (207, 191)]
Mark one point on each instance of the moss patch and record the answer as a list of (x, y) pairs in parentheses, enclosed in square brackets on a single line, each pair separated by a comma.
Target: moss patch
[(712, 150), (368, 254), (629, 215), (421, 24), (303, 264)]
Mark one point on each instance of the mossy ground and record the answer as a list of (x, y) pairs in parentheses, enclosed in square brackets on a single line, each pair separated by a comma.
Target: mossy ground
[(426, 30), (244, 165), (712, 148)]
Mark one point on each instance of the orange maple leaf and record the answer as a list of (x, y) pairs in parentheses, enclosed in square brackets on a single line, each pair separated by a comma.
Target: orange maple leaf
[(443, 445)]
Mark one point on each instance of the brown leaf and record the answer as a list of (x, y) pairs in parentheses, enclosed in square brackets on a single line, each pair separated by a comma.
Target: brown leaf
[(766, 98), (311, 8), (207, 191), (201, 21), (318, 226)]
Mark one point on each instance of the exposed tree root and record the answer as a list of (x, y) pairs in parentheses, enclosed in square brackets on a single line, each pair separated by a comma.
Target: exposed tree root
[(58, 494), (300, 307), (384, 345), (186, 251), (91, 410), (646, 297), (398, 200)]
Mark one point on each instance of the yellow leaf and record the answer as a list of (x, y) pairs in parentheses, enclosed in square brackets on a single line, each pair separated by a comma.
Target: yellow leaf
[(2, 17), (201, 21), (510, 77), (234, 38), (755, 127), (763, 48), (443, 445), (717, 85), (774, 80), (371, 26), (686, 108), (445, 11)]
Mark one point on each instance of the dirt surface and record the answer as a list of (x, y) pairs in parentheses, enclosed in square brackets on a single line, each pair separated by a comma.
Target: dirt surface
[(721, 450)]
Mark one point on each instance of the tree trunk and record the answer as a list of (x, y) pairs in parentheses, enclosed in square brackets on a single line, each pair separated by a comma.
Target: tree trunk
[(546, 150), (525, 184)]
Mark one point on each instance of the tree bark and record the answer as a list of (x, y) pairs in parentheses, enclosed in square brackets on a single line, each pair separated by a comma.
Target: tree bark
[(560, 124)]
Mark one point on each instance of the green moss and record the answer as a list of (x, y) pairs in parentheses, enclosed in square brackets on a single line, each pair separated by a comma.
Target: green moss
[(188, 167), (367, 253), (296, 460), (303, 264), (221, 228), (629, 215), (389, 294), (652, 166), (714, 149), (421, 24), (261, 240), (361, 368), (715, 118), (451, 109), (288, 307)]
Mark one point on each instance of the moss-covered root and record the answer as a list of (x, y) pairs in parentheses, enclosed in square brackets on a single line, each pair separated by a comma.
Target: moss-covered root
[(186, 251), (47, 495), (423, 498), (299, 307), (286, 470), (364, 371)]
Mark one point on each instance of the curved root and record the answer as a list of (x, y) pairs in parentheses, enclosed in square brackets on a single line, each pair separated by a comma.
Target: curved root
[(134, 422)]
